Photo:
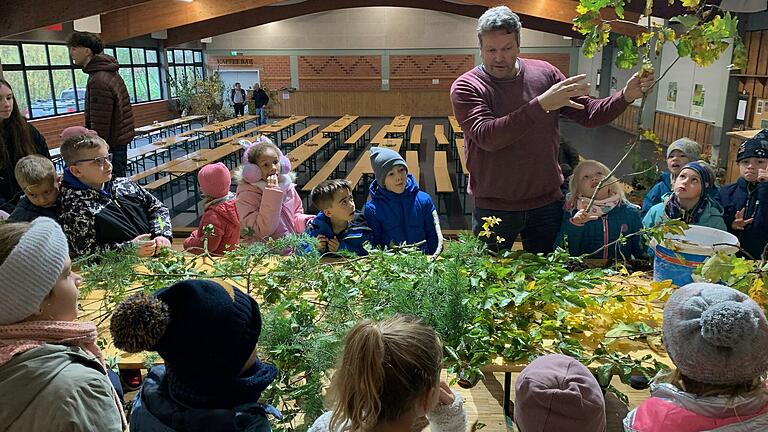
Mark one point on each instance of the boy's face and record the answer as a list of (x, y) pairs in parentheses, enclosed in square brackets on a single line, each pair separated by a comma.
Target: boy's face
[(93, 167), (688, 184), (44, 194), (396, 179), (676, 161), (749, 167), (268, 163), (342, 207)]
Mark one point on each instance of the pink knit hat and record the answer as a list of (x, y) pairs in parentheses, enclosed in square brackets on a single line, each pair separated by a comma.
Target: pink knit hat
[(556, 393), (214, 180), (74, 131)]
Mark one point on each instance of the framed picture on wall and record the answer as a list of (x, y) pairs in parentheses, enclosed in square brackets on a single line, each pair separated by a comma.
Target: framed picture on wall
[(697, 105), (671, 95)]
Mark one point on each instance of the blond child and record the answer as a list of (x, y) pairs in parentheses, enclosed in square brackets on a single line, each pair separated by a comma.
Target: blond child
[(100, 213), (611, 215), (267, 201), (37, 177), (691, 201), (388, 377), (717, 338)]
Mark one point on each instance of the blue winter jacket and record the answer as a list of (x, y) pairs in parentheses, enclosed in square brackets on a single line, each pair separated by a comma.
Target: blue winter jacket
[(407, 217), (623, 219), (711, 217), (154, 410), (654, 196), (352, 238), (754, 199)]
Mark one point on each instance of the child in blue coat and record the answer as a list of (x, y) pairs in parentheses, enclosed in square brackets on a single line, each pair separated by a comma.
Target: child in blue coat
[(399, 212), (679, 153), (692, 200), (745, 203), (611, 215), (338, 226)]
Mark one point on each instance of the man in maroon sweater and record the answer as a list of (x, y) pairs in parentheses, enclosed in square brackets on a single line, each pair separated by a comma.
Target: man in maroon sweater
[(509, 110)]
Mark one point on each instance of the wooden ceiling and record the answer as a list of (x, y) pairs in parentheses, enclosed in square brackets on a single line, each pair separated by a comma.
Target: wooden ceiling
[(190, 21)]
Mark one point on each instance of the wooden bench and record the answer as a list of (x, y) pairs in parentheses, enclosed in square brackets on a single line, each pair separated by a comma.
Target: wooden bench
[(300, 136), (358, 138), (412, 159), (236, 137), (415, 136), (440, 138), (380, 135), (362, 167), (329, 168), (443, 185)]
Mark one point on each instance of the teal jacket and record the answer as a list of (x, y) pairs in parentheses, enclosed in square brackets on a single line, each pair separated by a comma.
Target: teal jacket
[(711, 217)]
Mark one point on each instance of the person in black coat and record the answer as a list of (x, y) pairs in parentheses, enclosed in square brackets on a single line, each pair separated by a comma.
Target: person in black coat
[(17, 139), (237, 97), (260, 101)]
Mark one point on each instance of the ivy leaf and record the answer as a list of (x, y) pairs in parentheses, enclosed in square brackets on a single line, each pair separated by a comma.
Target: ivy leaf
[(628, 54), (689, 21), (650, 136), (643, 38), (690, 4), (648, 7)]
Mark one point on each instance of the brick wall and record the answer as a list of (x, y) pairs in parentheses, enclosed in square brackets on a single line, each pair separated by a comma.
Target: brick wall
[(412, 72), (339, 73), (143, 114), (275, 71)]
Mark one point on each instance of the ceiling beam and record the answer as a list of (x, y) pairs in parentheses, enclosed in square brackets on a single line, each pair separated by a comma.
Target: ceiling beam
[(159, 15), (551, 16), (19, 16)]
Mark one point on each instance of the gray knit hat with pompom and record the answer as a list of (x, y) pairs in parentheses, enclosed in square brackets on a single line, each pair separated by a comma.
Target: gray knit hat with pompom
[(715, 334)]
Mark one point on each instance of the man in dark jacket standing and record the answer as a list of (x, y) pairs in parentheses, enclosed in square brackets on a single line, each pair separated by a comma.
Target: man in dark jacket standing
[(107, 104), (260, 100)]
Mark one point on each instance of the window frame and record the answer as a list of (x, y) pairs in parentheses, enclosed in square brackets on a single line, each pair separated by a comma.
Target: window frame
[(173, 66), (49, 68)]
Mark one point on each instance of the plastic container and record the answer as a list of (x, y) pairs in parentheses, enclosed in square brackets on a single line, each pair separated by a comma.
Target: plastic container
[(680, 255)]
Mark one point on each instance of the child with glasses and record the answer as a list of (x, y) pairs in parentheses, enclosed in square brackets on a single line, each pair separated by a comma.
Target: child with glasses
[(101, 213)]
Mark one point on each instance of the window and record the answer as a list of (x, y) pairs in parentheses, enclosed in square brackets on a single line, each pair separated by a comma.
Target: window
[(184, 65), (46, 82)]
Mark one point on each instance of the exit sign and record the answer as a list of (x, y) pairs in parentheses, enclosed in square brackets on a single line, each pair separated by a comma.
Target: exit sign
[(233, 53)]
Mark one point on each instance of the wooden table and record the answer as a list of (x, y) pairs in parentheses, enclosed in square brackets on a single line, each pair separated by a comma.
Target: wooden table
[(361, 168), (285, 126), (340, 129), (307, 152), (392, 143), (162, 127), (399, 127)]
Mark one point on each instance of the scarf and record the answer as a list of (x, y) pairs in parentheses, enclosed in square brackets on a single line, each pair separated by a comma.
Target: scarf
[(674, 210), (24, 336), (599, 207)]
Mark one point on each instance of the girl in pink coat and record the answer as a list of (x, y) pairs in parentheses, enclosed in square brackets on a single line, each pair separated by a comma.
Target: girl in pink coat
[(267, 201)]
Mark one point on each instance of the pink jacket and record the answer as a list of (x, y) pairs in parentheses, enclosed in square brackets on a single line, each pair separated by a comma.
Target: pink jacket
[(222, 214), (672, 410), (270, 213)]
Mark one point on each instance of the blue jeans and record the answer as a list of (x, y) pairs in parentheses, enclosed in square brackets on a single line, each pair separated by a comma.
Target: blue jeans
[(538, 227), (262, 112)]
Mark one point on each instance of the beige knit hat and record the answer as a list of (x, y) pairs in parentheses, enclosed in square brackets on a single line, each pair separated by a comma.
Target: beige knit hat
[(31, 270)]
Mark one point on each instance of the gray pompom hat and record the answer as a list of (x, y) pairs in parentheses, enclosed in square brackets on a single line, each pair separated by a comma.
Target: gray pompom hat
[(715, 334)]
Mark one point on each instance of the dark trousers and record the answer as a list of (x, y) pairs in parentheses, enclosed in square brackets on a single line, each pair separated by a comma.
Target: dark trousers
[(538, 227), (119, 162), (239, 109)]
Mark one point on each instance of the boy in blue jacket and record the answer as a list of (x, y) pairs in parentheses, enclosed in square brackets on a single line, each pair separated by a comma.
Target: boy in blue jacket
[(679, 153), (338, 226), (399, 212), (745, 203)]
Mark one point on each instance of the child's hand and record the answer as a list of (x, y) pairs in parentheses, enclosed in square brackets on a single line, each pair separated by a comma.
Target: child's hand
[(323, 246), (333, 245), (581, 217), (146, 246), (762, 175), (272, 181), (739, 223), (446, 395), (162, 242)]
